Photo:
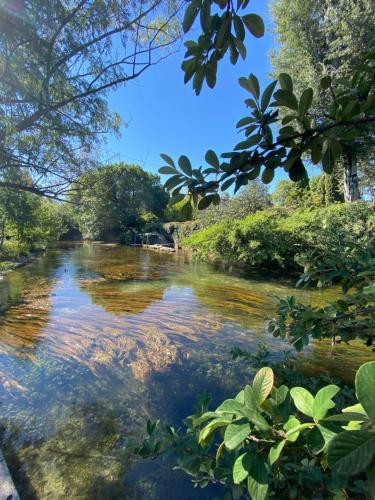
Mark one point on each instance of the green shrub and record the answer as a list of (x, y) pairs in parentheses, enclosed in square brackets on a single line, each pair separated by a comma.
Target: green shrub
[(277, 442), (12, 249), (275, 237)]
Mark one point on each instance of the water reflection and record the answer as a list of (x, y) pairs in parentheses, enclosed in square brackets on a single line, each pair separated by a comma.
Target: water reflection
[(97, 338)]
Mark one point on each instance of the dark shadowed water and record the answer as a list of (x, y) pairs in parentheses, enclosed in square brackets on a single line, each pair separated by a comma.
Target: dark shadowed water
[(97, 338)]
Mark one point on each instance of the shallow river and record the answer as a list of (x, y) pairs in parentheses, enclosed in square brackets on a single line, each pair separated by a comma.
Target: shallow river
[(95, 339)]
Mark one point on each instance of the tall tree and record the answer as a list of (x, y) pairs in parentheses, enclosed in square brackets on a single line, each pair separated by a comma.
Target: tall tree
[(57, 61), (326, 37), (117, 197)]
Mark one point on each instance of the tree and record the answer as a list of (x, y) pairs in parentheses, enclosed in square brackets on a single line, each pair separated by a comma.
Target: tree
[(115, 198), (57, 61), (329, 38), (300, 134)]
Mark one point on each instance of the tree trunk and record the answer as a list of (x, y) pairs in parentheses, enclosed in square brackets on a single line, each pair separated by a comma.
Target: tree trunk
[(351, 188)]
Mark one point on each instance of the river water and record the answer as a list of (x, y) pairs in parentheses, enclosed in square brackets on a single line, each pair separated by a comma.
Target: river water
[(96, 338)]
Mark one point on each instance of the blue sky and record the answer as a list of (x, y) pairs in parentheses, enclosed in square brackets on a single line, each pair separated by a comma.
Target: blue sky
[(165, 116)]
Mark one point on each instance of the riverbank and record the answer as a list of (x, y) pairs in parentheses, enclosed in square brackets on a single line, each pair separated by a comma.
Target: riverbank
[(8, 266)]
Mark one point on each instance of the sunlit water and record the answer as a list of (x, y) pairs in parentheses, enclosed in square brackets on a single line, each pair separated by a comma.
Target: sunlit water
[(97, 338)]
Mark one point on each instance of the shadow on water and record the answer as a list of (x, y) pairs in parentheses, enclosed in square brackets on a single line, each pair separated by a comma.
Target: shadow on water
[(98, 338)]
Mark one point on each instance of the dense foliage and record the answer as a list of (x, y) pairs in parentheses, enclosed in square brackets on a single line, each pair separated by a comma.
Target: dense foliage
[(326, 139), (281, 442), (279, 237), (351, 316), (117, 198), (316, 38), (28, 222), (57, 61)]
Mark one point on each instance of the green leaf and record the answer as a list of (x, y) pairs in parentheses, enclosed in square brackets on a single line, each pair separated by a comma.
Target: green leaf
[(350, 452), (305, 102), (210, 428), (297, 170), (323, 401), (247, 143), (286, 98), (365, 387), (262, 384), (207, 201), (190, 15), (250, 398), (268, 175), (172, 182), (257, 482), (233, 407), (168, 160), (267, 95), (292, 423), (345, 417), (245, 121), (167, 170), (219, 451), (250, 84), (211, 70), (328, 431), (286, 82), (212, 159), (226, 184), (236, 433), (303, 400), (275, 451), (358, 408), (254, 24), (185, 165), (241, 468)]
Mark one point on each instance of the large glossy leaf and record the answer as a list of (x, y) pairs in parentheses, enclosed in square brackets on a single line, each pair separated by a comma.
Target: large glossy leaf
[(267, 94), (365, 387), (275, 451), (262, 384), (168, 159), (190, 15), (251, 84), (249, 398), (303, 400), (207, 431), (241, 468), (323, 401), (212, 159), (286, 98), (292, 423), (305, 101), (236, 433), (350, 452), (286, 82), (254, 24), (233, 407), (185, 165), (257, 482), (167, 170)]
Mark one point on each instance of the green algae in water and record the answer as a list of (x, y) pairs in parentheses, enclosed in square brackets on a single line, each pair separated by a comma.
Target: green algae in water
[(96, 339)]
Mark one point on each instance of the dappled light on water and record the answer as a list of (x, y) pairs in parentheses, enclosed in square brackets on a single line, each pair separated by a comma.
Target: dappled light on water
[(97, 338)]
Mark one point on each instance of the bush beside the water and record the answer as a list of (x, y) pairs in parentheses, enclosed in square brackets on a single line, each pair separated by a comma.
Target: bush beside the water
[(278, 237)]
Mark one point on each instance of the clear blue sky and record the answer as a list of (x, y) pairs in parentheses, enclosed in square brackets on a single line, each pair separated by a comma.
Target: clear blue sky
[(165, 116)]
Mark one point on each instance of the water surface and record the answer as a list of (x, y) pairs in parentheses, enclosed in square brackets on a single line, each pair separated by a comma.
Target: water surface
[(97, 338)]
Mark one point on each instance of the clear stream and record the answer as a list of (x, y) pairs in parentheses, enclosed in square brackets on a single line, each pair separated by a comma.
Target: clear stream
[(95, 339)]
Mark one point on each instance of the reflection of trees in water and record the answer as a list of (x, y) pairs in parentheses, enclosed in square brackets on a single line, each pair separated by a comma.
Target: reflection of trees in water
[(116, 298)]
